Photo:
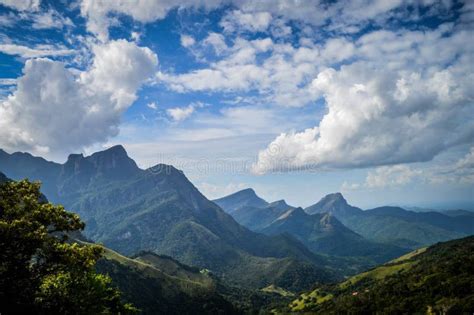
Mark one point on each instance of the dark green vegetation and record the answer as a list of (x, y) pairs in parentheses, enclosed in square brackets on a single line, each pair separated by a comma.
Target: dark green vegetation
[(438, 280), (41, 272), (320, 232), (396, 225), (131, 210), (160, 285)]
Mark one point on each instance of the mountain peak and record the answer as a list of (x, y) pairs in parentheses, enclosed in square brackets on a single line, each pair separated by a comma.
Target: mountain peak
[(335, 204), (332, 200), (243, 198), (111, 163), (74, 157), (293, 212), (279, 206), (334, 197), (116, 150), (246, 191), (164, 168), (280, 202)]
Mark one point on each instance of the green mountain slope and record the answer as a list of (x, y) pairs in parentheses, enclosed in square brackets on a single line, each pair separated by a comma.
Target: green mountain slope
[(257, 219), (132, 210), (323, 233), (434, 280), (161, 285)]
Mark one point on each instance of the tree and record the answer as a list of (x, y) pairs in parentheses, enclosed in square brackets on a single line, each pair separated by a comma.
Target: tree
[(43, 271)]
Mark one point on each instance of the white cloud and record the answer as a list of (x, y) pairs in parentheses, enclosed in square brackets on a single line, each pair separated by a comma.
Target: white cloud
[(281, 73), (457, 172), (217, 42), (343, 16), (119, 69), (187, 41), (39, 19), (53, 110), (379, 118), (135, 36), (8, 20), (389, 176), (50, 19), (4, 81), (21, 5), (405, 99), (238, 21), (37, 51), (152, 105), (98, 13), (461, 171), (182, 113)]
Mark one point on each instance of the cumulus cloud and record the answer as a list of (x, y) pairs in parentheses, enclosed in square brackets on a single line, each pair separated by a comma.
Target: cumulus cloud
[(396, 175), (378, 117), (238, 21), (119, 68), (405, 98), (55, 109), (387, 176)]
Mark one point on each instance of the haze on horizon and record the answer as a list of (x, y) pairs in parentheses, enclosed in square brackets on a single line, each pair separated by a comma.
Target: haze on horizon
[(296, 99)]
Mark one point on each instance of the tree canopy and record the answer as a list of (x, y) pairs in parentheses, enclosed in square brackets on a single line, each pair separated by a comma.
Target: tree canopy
[(42, 270)]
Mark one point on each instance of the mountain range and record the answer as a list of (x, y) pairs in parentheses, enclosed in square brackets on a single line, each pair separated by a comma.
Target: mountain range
[(130, 210), (320, 232), (158, 209), (335, 227), (396, 225), (246, 253)]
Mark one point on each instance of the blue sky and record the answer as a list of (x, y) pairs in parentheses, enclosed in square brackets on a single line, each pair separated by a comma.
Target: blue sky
[(296, 99)]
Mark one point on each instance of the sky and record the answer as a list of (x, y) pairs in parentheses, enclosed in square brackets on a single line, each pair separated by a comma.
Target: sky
[(296, 99)]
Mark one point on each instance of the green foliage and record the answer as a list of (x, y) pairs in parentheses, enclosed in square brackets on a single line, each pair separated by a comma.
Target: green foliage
[(438, 280), (161, 285), (40, 271)]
